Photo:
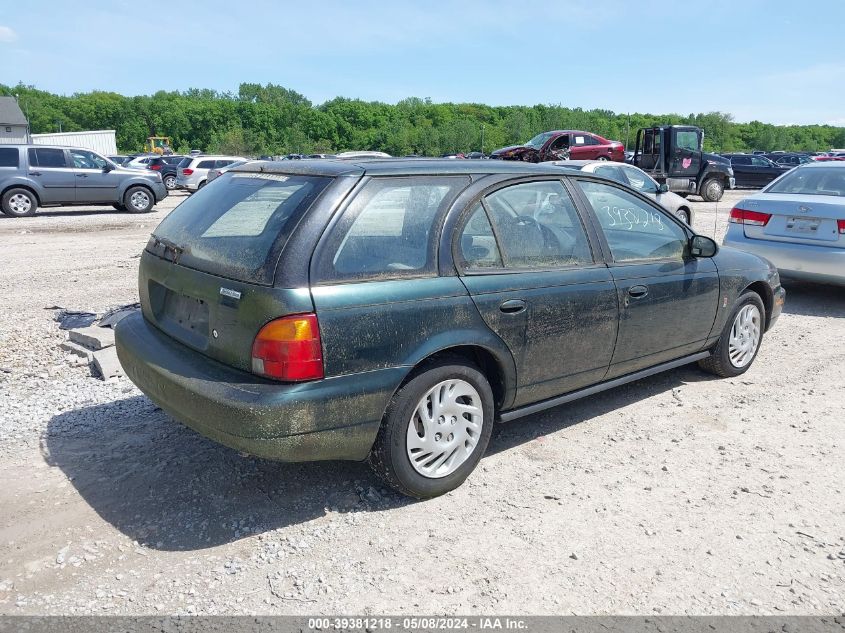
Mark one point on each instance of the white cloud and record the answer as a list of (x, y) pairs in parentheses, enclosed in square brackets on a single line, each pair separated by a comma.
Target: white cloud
[(7, 34)]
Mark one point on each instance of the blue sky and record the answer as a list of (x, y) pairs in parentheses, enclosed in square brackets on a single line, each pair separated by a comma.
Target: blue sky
[(778, 61)]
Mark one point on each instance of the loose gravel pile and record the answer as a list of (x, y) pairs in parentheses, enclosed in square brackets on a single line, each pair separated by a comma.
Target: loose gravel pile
[(679, 494)]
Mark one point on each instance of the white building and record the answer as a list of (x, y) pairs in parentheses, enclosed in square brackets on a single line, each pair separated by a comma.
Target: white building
[(101, 141)]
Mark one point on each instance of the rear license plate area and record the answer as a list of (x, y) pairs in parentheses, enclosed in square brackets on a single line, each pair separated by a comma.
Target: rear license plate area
[(184, 318), (803, 225)]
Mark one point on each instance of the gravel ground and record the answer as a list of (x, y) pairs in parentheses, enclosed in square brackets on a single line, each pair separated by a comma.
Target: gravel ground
[(679, 494)]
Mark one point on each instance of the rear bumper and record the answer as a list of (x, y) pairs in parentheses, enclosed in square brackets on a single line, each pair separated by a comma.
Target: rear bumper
[(334, 418), (821, 264)]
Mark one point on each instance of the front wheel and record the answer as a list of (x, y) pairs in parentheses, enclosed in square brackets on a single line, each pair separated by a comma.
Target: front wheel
[(435, 430), (683, 214), (138, 200), (740, 339), (712, 190)]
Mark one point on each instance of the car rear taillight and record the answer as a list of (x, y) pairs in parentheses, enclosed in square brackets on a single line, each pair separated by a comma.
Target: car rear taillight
[(187, 172), (840, 224), (289, 349), (154, 167), (755, 218)]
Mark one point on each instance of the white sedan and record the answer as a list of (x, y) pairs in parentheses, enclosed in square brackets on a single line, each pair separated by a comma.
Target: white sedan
[(637, 179)]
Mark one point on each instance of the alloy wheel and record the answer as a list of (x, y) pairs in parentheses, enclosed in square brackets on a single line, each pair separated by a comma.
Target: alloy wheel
[(139, 200), (20, 204)]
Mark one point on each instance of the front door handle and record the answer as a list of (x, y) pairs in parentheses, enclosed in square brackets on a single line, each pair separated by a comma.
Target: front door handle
[(35, 173), (512, 306), (82, 175), (637, 292)]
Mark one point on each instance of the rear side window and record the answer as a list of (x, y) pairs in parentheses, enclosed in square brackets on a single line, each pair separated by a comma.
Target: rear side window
[(238, 227), (47, 157), (9, 156), (389, 230), (206, 164)]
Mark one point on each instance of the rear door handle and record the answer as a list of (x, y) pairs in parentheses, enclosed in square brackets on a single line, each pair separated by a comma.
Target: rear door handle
[(35, 173), (82, 175), (512, 306), (636, 292)]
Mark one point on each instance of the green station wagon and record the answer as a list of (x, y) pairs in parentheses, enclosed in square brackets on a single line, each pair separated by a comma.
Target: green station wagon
[(393, 310)]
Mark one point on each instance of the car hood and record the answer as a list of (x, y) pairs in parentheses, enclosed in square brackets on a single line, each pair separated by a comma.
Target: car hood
[(512, 149), (715, 158)]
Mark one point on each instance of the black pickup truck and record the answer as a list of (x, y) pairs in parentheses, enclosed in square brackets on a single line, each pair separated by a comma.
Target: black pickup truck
[(671, 154)]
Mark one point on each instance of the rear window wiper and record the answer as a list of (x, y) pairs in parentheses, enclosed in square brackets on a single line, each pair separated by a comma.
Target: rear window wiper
[(168, 245)]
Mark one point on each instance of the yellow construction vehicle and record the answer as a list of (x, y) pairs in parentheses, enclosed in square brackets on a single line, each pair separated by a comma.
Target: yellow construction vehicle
[(158, 145)]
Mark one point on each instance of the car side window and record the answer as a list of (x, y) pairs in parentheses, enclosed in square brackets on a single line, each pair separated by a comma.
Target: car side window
[(634, 229), (47, 157), (612, 172), (206, 164), (83, 159), (538, 226), (389, 231), (759, 162), (478, 243), (9, 157), (639, 180)]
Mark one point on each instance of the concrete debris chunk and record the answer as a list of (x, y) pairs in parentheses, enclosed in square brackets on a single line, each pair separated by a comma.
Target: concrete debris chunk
[(107, 364), (78, 350), (93, 337)]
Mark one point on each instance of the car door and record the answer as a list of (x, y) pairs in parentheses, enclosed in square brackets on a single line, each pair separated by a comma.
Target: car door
[(667, 299), (50, 168), (580, 147), (743, 171), (685, 160), (526, 259), (95, 181)]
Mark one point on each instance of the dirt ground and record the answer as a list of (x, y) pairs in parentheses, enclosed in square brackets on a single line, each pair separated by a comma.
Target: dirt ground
[(679, 494)]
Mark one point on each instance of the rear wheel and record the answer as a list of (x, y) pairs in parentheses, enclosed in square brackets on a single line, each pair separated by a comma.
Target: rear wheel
[(435, 430), (138, 200), (740, 340), (19, 203), (712, 190), (170, 182), (602, 158)]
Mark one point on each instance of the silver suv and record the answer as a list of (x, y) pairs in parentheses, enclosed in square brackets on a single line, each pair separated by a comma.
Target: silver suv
[(41, 175), (192, 173)]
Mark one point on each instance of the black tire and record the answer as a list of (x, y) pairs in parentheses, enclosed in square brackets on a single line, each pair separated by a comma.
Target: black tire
[(712, 190), (19, 202), (683, 214), (138, 199), (389, 456), (119, 206), (170, 182), (683, 194), (201, 185), (719, 362), (602, 158)]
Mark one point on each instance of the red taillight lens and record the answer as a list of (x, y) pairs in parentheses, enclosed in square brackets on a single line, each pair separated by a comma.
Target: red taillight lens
[(155, 167), (840, 224), (187, 172), (289, 349), (755, 218)]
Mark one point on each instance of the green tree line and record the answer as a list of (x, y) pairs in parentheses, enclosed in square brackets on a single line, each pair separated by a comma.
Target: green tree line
[(271, 119)]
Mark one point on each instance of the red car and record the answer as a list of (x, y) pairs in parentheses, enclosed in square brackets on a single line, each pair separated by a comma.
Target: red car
[(562, 145)]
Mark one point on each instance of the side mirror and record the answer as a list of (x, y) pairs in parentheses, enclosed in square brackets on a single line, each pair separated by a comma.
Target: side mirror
[(702, 246), (662, 188), (108, 167)]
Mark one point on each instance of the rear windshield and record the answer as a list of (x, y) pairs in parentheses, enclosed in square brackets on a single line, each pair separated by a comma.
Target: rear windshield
[(237, 226), (824, 181), (185, 161)]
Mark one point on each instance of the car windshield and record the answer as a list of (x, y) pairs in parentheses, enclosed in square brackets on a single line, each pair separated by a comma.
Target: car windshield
[(237, 226), (538, 141), (819, 181)]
